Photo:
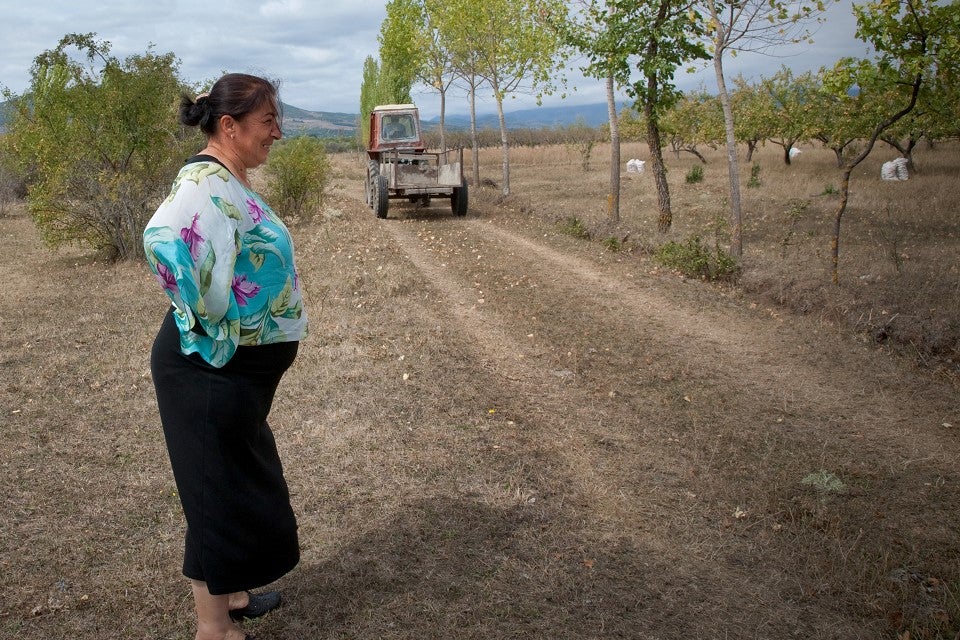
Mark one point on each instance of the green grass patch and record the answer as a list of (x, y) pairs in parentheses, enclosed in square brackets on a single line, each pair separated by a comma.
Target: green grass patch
[(696, 260)]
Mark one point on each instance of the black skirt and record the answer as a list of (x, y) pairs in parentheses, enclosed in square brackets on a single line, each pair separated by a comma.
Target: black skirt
[(241, 530)]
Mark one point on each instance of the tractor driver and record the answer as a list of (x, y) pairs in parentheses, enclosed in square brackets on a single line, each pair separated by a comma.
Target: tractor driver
[(394, 129)]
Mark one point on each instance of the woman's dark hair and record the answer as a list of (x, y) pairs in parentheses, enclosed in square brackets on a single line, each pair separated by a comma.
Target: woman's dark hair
[(235, 94)]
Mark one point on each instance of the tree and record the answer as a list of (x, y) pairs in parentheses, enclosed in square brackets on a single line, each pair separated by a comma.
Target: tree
[(934, 118), (369, 96), (791, 100), (655, 37), (99, 142), (457, 21), (844, 120), (749, 25), (593, 31), (696, 119), (436, 69), (754, 116), (580, 138), (401, 51), (665, 36), (515, 52), (916, 41)]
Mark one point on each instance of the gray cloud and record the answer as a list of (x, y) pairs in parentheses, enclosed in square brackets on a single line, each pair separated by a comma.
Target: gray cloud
[(315, 48)]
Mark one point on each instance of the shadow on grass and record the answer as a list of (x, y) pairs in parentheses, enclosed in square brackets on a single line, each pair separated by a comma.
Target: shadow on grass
[(460, 569)]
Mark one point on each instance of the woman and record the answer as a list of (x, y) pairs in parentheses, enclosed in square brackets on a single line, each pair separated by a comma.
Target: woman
[(226, 262)]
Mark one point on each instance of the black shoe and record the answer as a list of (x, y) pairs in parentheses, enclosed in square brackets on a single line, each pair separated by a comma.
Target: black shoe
[(260, 604)]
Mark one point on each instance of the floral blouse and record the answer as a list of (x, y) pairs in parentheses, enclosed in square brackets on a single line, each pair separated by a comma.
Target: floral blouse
[(226, 261)]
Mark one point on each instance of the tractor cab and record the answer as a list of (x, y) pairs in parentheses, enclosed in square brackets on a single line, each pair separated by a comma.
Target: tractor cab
[(394, 126)]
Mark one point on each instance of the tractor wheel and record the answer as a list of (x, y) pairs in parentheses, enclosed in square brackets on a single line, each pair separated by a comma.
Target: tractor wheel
[(369, 185), (380, 196), (458, 201)]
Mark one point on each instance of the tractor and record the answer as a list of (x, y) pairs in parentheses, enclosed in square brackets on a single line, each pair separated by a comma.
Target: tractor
[(400, 167)]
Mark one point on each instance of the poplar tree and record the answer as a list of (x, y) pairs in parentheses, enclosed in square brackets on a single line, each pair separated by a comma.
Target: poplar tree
[(749, 25)]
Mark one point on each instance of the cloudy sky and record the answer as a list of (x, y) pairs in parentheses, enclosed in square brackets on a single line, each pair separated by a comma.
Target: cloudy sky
[(315, 47)]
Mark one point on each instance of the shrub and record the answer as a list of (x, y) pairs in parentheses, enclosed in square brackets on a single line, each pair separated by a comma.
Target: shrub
[(98, 143), (613, 244), (573, 226), (695, 174), (581, 139), (696, 260), (300, 172)]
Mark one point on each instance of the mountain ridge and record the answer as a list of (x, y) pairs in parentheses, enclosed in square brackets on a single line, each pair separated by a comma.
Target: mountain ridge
[(323, 124)]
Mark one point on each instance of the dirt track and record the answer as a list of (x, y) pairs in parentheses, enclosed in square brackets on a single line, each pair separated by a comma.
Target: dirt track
[(659, 431), (497, 431)]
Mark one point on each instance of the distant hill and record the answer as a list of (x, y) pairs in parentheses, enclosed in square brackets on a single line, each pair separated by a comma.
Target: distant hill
[(320, 124), (592, 115), (324, 124), (327, 124)]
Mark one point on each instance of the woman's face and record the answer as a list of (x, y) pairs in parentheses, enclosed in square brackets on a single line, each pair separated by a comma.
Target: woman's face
[(255, 133)]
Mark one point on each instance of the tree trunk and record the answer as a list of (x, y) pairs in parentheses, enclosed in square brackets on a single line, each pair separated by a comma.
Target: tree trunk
[(654, 143), (665, 219), (838, 151), (841, 208), (733, 167), (613, 199), (474, 143), (504, 144), (443, 115)]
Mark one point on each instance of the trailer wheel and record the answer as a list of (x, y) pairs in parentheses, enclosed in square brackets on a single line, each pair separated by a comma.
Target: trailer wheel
[(381, 196), (458, 200)]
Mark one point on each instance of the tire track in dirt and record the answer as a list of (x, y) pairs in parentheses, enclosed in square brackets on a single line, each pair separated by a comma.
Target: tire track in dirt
[(497, 347), (658, 485), (560, 419), (683, 330), (748, 351)]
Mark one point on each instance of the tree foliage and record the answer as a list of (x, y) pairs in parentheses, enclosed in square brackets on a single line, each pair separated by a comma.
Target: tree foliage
[(400, 50), (383, 83), (515, 52), (98, 140)]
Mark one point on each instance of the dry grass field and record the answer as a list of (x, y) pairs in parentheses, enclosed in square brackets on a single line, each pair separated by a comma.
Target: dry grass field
[(498, 430)]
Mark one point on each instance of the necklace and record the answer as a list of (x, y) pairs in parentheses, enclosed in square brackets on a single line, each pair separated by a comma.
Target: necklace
[(240, 173)]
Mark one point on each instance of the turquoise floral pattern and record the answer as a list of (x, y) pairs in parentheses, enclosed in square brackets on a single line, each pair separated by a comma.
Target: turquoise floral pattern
[(226, 262)]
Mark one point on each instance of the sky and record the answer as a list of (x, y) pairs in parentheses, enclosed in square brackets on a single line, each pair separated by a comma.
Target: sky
[(316, 48)]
